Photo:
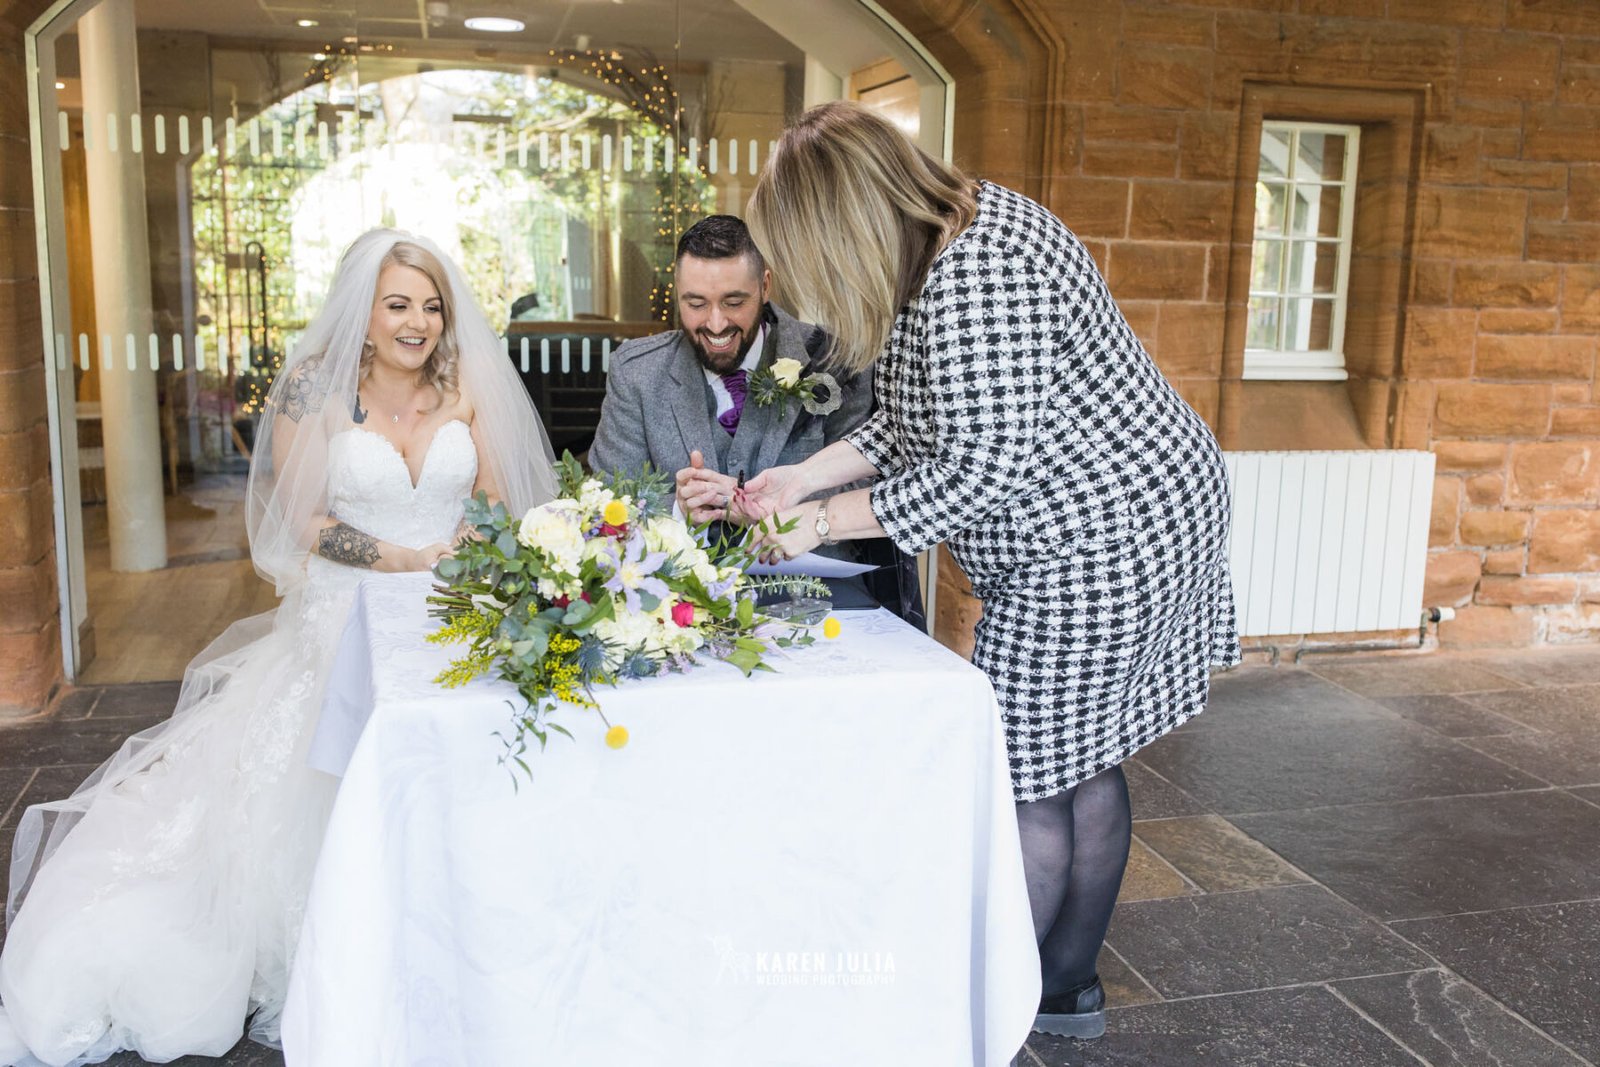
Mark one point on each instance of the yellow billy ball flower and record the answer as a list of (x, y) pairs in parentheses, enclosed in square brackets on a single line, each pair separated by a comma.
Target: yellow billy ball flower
[(615, 513), (831, 627), (617, 736)]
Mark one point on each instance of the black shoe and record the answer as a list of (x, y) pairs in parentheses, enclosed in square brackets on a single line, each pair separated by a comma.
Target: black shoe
[(1078, 1012)]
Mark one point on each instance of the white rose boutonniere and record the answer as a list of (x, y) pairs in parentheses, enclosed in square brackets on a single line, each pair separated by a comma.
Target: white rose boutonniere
[(784, 380)]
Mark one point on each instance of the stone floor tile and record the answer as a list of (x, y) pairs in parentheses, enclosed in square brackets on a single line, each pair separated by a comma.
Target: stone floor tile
[(1124, 988), (1154, 797), (1543, 963), (1590, 794), (72, 741), (1562, 742), (1450, 1024), (77, 703), (1229, 942), (12, 781), (1272, 697), (1559, 760), (52, 783), (1555, 708), (1148, 877), (1438, 857), (146, 700), (1216, 855), (1573, 665), (1452, 716), (1307, 1027), (1392, 676), (1311, 763)]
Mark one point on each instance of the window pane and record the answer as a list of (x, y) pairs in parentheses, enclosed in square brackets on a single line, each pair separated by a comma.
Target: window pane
[(1313, 266), (1263, 332), (1272, 207), (1316, 210), (1266, 266), (1308, 325), (1275, 153), (1320, 157)]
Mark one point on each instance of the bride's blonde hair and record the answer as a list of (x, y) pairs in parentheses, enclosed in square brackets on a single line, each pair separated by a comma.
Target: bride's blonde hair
[(850, 214), (443, 368)]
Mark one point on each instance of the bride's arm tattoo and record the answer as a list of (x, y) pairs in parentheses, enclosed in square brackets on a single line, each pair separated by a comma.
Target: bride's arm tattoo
[(342, 543), (300, 393)]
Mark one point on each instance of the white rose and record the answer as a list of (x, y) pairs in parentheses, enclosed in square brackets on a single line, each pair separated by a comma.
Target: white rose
[(553, 530), (786, 372), (666, 534)]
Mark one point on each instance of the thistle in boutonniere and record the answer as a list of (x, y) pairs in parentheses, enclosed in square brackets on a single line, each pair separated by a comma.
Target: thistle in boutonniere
[(784, 380)]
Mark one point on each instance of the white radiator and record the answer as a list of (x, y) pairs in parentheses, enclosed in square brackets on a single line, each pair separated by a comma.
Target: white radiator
[(1325, 542)]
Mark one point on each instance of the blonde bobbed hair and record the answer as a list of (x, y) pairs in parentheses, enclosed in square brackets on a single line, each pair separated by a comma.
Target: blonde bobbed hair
[(850, 214), (443, 368)]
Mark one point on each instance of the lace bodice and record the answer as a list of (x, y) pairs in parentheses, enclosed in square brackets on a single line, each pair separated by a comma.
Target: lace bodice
[(370, 487)]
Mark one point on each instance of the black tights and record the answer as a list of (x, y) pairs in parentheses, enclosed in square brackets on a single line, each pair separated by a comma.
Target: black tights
[(1074, 850)]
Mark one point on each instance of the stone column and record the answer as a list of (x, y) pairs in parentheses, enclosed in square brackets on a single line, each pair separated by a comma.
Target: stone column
[(108, 51)]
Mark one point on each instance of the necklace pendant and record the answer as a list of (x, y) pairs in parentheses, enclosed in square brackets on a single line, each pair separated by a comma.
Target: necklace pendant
[(396, 418)]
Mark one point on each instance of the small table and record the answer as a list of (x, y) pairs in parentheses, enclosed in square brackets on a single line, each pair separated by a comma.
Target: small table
[(818, 866)]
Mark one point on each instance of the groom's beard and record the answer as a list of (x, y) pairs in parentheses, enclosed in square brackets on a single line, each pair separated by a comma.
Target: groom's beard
[(728, 361)]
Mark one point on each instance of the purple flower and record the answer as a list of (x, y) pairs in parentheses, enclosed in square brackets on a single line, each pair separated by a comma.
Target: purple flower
[(632, 571)]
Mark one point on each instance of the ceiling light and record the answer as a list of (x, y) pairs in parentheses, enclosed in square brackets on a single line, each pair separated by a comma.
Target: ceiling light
[(495, 25), (61, 85), (306, 23), (319, 56)]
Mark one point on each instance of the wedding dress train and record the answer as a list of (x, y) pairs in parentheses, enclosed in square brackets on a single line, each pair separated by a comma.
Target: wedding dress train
[(157, 908)]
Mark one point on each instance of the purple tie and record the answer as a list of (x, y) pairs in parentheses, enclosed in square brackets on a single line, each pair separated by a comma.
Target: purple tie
[(735, 384)]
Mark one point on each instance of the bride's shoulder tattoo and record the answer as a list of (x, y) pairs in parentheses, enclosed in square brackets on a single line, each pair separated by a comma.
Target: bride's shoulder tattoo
[(301, 394), (342, 543)]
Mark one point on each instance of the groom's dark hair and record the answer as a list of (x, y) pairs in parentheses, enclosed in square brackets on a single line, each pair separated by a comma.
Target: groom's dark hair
[(720, 237)]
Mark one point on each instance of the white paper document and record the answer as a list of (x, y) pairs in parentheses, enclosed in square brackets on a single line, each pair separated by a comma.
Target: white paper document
[(812, 565)]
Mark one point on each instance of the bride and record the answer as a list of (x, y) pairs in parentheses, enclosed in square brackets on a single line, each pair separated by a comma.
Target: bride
[(157, 908)]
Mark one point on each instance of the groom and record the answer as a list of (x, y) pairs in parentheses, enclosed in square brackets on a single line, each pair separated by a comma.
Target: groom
[(681, 399)]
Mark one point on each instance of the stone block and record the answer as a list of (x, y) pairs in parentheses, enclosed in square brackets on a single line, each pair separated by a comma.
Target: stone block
[(1140, 271), (1565, 541), (1208, 146), (24, 458), (1583, 193), (1489, 627), (1575, 422), (1158, 75), (27, 525), (1514, 285), (1202, 394), (1521, 174), (1505, 560), (1478, 409), (1142, 316), (1575, 18), (30, 669), (1547, 206), (1555, 472), (1513, 591), (1446, 12), (1564, 242), (1452, 154), (1579, 622), (1431, 281), (1445, 513), (22, 397), (1525, 357), (1137, 125), (1470, 223), (18, 260), (1168, 25), (1512, 320), (1562, 133), (1439, 342), (1580, 298), (1499, 65), (1091, 207), (1181, 211), (1413, 427), (29, 596), (1090, 32), (1113, 159), (1189, 340), (1565, 394), (1469, 456), (1487, 528), (1486, 490), (1451, 578)]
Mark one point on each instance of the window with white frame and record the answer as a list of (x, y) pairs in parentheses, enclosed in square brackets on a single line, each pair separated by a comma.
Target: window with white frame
[(1300, 258)]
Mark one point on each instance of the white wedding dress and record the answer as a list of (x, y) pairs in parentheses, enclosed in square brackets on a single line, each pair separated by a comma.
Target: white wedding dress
[(166, 916)]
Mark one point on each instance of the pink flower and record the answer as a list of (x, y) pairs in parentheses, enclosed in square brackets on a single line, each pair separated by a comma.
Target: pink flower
[(683, 613)]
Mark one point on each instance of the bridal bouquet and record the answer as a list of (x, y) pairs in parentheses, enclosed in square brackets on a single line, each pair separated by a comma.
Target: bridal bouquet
[(600, 584)]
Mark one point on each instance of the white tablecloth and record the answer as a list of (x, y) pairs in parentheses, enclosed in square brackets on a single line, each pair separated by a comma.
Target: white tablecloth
[(815, 867)]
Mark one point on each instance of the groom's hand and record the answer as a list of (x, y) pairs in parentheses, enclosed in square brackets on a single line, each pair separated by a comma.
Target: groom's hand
[(704, 494)]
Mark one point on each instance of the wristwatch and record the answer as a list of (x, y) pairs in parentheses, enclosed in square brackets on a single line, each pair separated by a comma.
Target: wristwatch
[(822, 526)]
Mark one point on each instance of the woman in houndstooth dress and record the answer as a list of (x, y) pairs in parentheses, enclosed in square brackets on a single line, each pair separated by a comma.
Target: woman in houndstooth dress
[(1023, 425)]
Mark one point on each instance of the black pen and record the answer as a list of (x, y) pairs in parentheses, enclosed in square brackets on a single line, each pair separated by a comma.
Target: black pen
[(740, 483)]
